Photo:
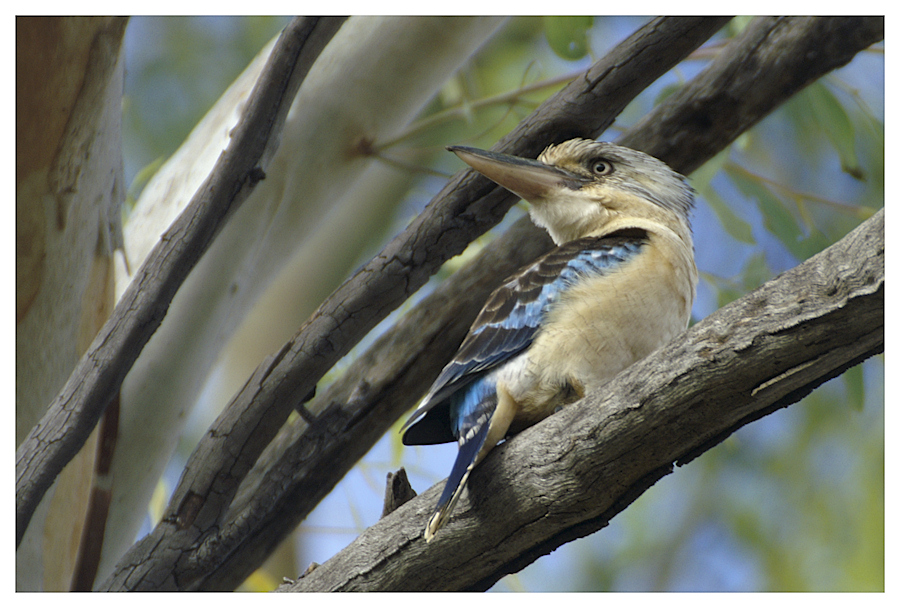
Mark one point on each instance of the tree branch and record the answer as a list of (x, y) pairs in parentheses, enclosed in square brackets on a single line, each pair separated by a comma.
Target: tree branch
[(386, 381), (389, 378), (99, 374), (569, 475), (193, 533), (776, 58)]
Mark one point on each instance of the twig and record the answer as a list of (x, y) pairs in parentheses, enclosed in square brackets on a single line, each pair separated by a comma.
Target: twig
[(397, 492)]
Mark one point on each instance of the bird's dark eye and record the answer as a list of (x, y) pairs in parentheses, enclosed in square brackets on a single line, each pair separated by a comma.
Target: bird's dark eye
[(601, 167)]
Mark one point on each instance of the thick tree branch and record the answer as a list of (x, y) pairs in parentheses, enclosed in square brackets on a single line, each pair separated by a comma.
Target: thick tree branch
[(776, 57), (569, 475), (98, 376), (385, 382), (388, 379), (193, 533)]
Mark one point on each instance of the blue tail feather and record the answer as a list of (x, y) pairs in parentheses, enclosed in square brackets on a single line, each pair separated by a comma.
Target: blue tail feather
[(468, 452), (466, 456)]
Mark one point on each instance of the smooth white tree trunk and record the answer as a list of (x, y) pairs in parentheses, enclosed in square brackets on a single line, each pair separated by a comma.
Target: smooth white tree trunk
[(69, 185)]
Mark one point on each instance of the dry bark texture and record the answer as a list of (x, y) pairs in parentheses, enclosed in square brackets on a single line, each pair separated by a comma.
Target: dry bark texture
[(242, 492), (307, 459), (569, 475), (205, 541)]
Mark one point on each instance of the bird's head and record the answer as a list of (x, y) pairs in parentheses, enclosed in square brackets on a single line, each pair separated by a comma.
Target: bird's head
[(584, 188)]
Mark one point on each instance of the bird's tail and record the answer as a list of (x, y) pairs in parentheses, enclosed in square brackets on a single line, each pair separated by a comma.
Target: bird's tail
[(469, 447)]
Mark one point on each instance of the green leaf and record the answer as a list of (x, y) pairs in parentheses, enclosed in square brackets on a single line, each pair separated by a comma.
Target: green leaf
[(140, 180), (567, 36), (829, 114), (756, 272), (777, 218), (726, 294), (738, 24), (701, 177), (856, 391), (811, 245), (737, 228)]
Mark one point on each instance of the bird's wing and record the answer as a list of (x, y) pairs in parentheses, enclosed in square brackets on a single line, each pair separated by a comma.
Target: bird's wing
[(509, 321)]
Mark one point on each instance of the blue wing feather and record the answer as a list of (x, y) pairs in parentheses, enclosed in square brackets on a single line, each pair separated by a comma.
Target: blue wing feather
[(508, 323)]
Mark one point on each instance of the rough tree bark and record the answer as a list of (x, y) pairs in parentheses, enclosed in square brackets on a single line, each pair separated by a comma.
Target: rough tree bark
[(275, 260), (208, 541), (567, 476), (348, 420), (746, 81), (195, 531)]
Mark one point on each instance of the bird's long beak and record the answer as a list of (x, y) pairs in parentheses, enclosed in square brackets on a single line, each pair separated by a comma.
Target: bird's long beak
[(529, 179)]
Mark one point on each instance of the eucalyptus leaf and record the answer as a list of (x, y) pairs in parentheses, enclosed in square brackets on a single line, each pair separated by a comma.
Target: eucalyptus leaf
[(567, 36), (701, 179), (736, 227), (777, 218), (856, 391), (756, 271), (833, 119)]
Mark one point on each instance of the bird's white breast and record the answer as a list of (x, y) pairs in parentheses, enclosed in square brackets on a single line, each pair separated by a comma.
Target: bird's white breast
[(602, 325)]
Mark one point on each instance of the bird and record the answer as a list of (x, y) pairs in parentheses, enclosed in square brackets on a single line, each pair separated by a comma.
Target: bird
[(619, 284)]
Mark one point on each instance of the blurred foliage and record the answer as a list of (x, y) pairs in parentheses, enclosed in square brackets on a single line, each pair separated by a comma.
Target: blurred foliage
[(567, 36), (176, 70), (794, 501)]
